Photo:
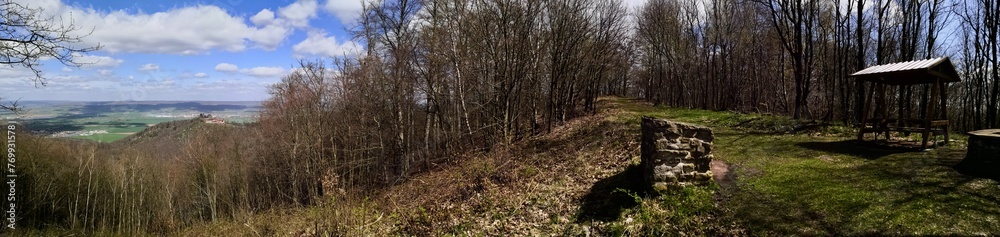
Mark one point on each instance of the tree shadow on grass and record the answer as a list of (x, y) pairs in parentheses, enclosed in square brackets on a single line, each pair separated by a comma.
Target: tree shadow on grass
[(612, 195), (854, 148), (918, 190)]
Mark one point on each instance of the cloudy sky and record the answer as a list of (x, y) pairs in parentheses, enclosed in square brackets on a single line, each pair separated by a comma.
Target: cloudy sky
[(221, 50), (226, 50)]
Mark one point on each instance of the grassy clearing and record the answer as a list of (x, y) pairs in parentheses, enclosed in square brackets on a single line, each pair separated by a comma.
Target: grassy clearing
[(830, 185), (821, 182)]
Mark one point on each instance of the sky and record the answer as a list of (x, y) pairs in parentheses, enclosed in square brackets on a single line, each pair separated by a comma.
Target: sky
[(203, 50), (206, 50), (214, 50)]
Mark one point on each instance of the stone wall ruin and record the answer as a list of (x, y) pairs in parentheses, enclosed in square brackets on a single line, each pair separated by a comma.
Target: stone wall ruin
[(675, 154), (981, 157)]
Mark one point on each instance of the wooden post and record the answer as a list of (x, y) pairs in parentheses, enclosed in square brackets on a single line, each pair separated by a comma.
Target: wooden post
[(883, 112), (864, 112), (944, 111), (935, 89)]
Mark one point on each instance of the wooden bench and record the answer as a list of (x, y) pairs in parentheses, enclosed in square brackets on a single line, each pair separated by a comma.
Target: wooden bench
[(927, 129)]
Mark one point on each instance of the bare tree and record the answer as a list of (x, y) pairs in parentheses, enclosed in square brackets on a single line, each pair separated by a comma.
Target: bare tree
[(980, 90), (27, 36), (659, 37), (794, 20)]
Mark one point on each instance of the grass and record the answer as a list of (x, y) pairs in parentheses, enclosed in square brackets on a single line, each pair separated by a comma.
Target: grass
[(824, 183), (831, 186), (103, 137)]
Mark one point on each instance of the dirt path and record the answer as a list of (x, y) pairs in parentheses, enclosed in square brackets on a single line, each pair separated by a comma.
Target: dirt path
[(720, 171)]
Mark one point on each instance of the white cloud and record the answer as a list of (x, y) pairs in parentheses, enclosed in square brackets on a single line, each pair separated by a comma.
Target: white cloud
[(104, 72), (269, 37), (263, 18), (96, 87), (345, 10), (91, 61), (187, 30), (264, 71), (201, 75), (11, 72), (149, 67), (320, 45), (65, 79), (298, 14), (225, 67), (67, 69), (190, 30), (255, 72)]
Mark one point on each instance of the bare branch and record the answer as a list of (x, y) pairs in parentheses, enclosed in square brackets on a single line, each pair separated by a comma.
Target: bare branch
[(27, 37)]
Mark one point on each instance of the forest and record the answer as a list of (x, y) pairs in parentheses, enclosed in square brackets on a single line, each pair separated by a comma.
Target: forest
[(440, 78)]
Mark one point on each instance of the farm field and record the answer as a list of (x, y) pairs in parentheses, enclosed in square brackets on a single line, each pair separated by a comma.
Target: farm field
[(110, 121)]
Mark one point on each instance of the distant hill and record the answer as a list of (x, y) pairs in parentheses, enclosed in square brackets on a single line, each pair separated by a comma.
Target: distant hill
[(167, 139), (163, 132)]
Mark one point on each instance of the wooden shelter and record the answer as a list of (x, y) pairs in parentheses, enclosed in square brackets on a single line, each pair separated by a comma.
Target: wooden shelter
[(937, 72)]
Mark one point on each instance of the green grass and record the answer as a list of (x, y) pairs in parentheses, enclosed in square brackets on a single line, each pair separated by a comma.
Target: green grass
[(689, 210), (103, 137), (117, 125), (824, 183), (125, 129), (831, 186)]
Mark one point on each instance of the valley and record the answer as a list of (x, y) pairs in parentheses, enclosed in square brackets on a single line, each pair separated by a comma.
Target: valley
[(111, 121)]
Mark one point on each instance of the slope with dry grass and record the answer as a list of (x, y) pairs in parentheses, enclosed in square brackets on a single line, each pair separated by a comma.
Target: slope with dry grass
[(581, 178), (785, 177)]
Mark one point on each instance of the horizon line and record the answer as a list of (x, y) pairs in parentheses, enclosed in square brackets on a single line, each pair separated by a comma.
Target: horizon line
[(138, 100)]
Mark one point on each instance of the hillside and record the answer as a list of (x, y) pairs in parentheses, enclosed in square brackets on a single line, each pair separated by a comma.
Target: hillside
[(165, 132), (577, 179), (775, 175), (164, 140), (581, 179)]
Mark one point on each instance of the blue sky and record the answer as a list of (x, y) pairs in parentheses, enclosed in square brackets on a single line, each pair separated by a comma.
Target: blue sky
[(220, 50)]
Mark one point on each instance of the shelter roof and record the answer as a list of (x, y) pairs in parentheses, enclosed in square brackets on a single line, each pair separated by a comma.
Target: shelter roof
[(911, 72)]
